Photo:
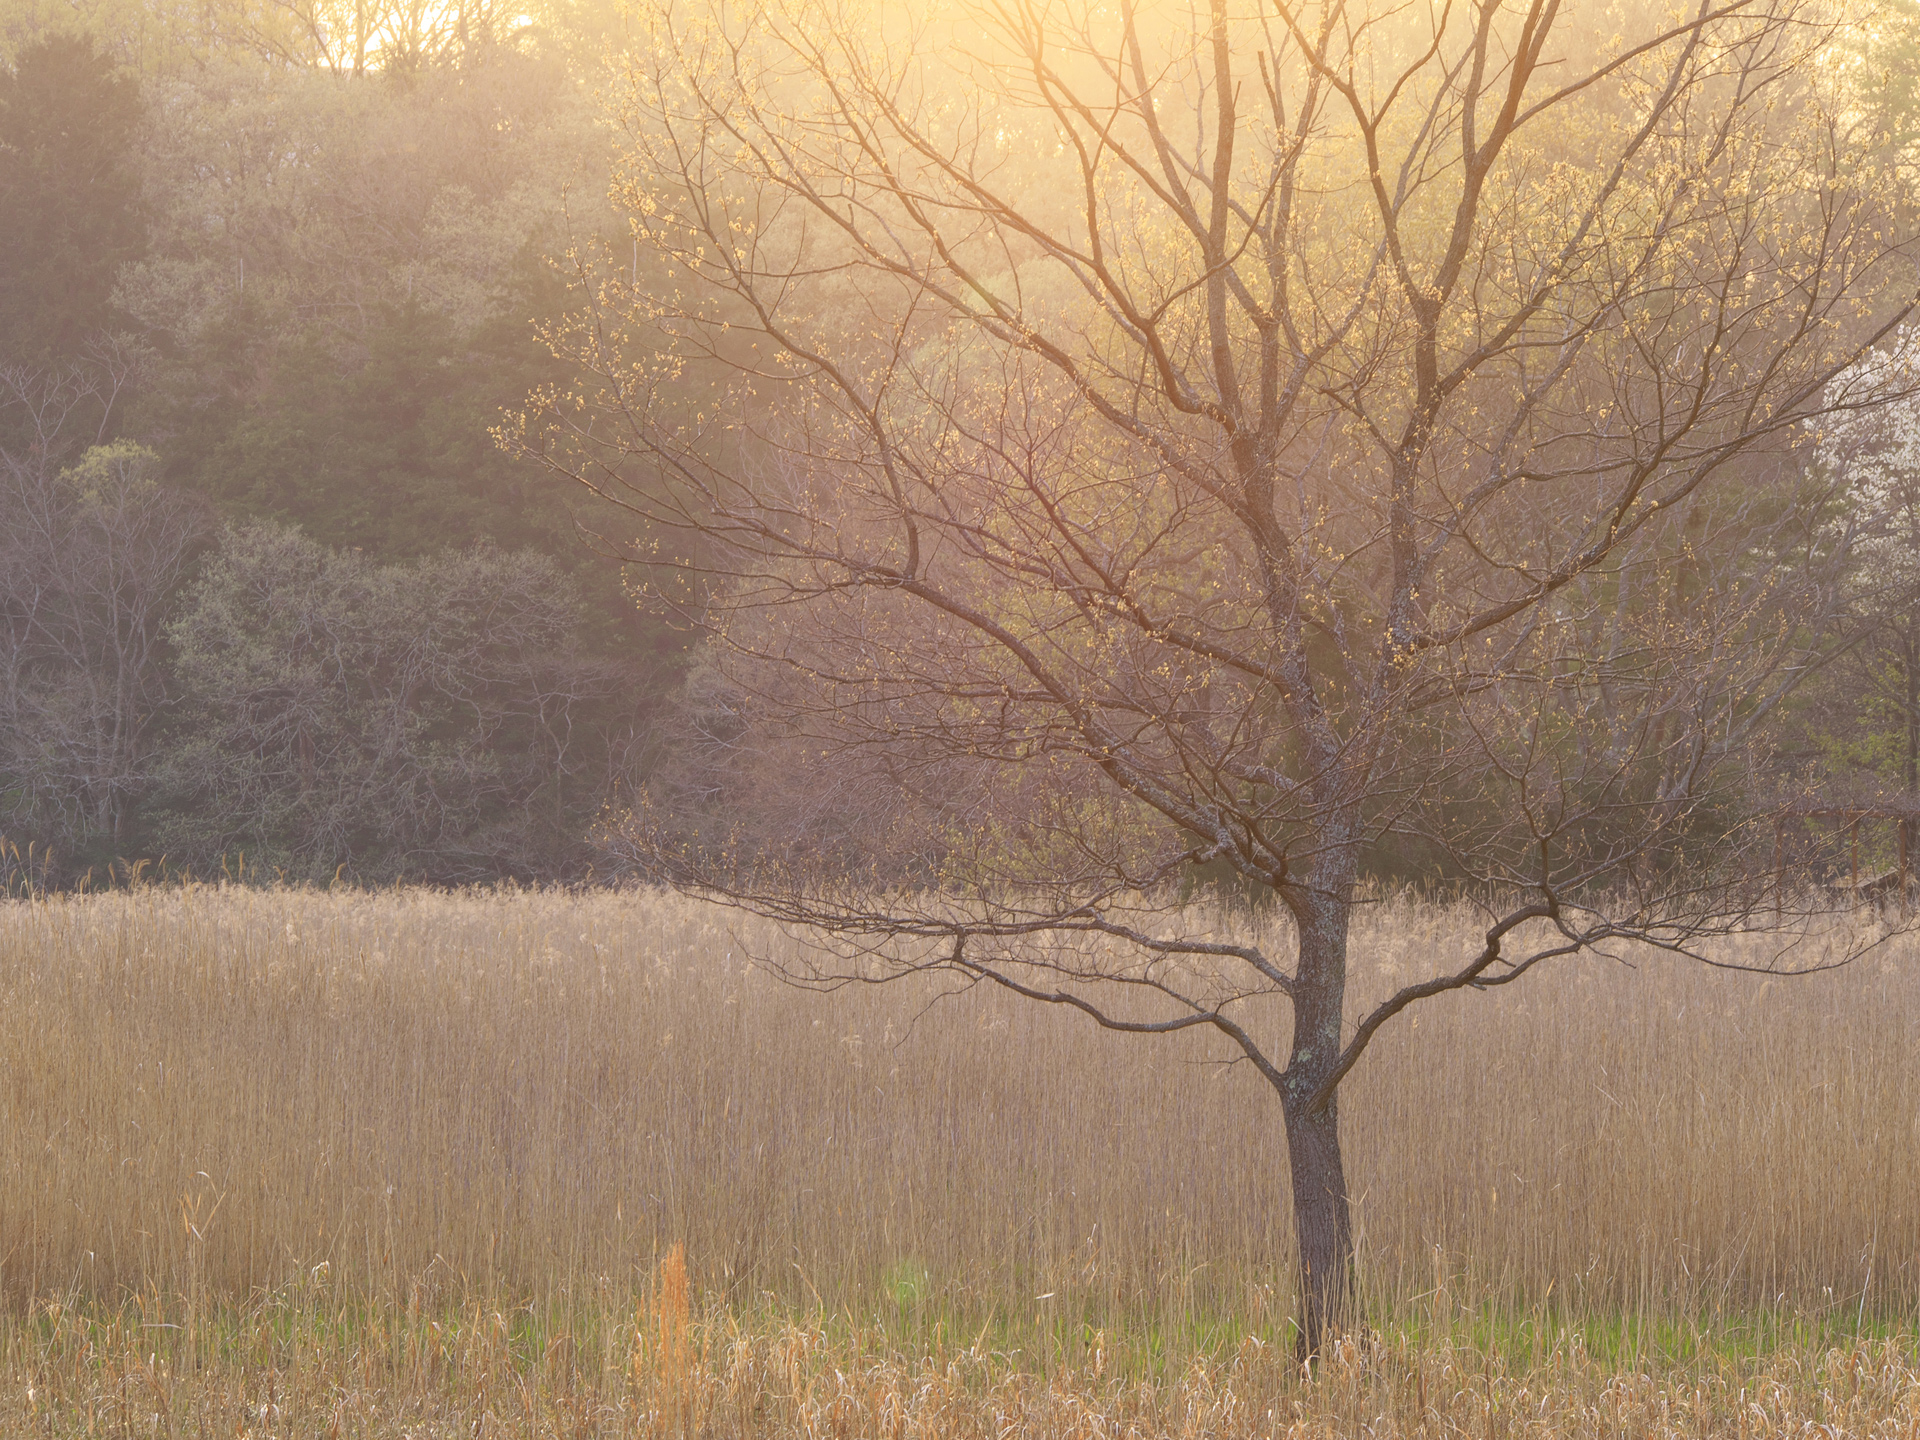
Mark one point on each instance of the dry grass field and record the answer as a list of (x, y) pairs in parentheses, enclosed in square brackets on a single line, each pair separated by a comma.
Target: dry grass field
[(304, 1163)]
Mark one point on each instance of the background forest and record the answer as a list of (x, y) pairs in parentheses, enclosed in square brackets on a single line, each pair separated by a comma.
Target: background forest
[(268, 586), (271, 588)]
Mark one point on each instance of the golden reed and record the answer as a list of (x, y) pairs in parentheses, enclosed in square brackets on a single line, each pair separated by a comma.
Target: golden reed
[(412, 1097)]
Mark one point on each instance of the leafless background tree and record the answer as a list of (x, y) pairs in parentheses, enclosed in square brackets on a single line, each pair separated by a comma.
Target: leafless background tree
[(91, 551), (1269, 439)]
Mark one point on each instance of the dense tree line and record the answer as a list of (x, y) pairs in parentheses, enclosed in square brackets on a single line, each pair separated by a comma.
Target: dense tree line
[(268, 586), (226, 694)]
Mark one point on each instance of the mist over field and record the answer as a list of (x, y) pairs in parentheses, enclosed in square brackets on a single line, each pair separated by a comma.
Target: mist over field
[(907, 717)]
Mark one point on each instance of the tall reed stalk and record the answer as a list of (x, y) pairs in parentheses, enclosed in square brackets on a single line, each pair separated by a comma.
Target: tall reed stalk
[(420, 1101)]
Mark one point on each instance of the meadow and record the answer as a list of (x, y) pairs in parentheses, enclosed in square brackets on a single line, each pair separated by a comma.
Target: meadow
[(299, 1162)]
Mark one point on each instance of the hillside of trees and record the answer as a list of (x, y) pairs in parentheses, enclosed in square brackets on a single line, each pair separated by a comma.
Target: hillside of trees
[(284, 587), (271, 595)]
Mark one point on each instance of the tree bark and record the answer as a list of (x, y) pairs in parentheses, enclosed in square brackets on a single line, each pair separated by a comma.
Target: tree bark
[(1322, 1215), (1322, 1221)]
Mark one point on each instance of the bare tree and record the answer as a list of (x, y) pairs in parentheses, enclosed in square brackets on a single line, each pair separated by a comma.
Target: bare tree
[(90, 554), (1263, 439)]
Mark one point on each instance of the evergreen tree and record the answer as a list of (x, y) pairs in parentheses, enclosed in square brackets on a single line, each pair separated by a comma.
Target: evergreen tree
[(70, 193)]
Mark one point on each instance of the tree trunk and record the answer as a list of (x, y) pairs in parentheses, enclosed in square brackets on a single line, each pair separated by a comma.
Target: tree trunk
[(1322, 1222), (1322, 1218)]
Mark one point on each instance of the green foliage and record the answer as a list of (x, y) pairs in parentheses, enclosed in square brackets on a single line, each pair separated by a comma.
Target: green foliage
[(1887, 56), (342, 296), (299, 253), (341, 303), (391, 455), (432, 720), (69, 189)]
